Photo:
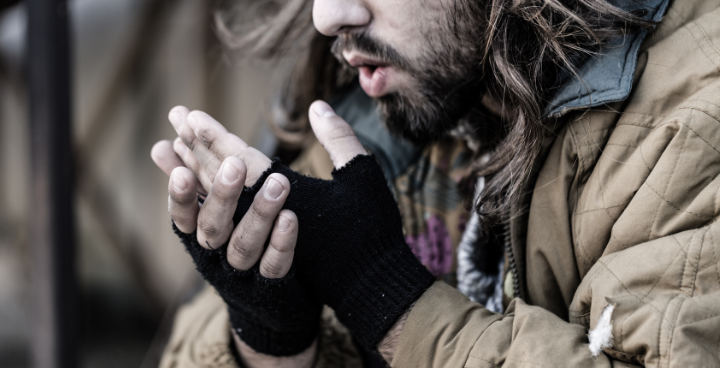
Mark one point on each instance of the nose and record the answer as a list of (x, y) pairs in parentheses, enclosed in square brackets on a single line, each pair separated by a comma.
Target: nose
[(333, 17)]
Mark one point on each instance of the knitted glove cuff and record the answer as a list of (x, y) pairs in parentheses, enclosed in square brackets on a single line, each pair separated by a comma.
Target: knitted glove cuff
[(267, 339), (381, 295), (269, 315)]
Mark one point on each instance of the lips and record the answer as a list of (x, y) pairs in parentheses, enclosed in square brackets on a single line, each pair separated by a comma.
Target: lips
[(375, 75), (373, 80)]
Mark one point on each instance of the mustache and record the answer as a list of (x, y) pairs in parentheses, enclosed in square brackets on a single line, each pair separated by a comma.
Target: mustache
[(367, 45)]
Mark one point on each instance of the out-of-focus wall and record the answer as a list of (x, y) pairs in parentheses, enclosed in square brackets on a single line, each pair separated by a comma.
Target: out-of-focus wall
[(133, 61)]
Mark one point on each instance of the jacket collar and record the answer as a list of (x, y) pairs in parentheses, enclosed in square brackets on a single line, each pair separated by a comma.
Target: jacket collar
[(607, 77)]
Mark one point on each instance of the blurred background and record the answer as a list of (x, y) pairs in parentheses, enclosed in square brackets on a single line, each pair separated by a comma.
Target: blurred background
[(131, 62)]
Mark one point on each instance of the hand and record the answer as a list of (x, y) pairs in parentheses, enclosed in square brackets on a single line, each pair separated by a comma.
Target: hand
[(269, 310), (376, 241), (203, 144), (351, 253), (262, 295), (211, 143)]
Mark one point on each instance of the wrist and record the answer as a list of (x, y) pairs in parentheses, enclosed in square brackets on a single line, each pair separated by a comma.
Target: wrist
[(253, 359), (378, 294), (390, 342)]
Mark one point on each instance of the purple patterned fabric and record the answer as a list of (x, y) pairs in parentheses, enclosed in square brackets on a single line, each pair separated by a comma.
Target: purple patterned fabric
[(433, 247)]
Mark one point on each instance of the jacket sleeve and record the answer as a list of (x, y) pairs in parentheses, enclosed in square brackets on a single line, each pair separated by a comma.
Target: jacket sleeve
[(665, 316), (201, 335), (201, 338), (658, 279), (445, 329), (654, 267)]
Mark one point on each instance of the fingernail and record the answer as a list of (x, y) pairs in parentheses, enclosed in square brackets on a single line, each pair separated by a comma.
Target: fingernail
[(283, 223), (176, 120), (324, 110), (273, 189), (193, 122), (179, 183), (229, 173)]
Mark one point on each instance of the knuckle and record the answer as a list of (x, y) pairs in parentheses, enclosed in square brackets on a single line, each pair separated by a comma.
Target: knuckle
[(225, 197), (240, 246), (210, 230), (205, 137), (284, 245), (340, 132), (261, 210), (271, 269), (180, 198), (240, 252), (189, 142)]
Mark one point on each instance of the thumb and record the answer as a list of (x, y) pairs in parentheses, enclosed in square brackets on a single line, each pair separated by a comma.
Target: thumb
[(335, 135)]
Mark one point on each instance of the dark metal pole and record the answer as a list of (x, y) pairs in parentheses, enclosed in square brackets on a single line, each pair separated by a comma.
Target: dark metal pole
[(55, 339)]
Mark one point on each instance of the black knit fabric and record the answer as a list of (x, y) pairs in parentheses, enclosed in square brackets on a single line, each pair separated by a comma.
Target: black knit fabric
[(272, 316), (351, 253)]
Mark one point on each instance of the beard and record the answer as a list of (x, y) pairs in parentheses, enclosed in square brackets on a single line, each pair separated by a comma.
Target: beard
[(447, 78)]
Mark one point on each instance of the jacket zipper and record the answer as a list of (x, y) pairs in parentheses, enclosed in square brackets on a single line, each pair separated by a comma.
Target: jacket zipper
[(511, 260)]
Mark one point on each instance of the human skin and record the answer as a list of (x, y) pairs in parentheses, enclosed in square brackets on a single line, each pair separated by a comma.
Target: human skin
[(204, 146), (403, 25), (205, 150)]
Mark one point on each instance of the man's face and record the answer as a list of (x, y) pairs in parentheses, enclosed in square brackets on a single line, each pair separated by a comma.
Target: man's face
[(418, 58)]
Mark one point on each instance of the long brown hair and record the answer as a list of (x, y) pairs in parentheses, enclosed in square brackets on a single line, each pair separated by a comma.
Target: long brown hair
[(527, 44)]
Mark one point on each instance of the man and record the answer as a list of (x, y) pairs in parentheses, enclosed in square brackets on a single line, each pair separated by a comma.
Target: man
[(607, 164)]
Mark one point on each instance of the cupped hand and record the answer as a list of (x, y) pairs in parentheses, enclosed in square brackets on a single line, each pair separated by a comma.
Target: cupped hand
[(203, 148), (206, 158), (269, 311), (202, 145), (214, 224), (334, 264)]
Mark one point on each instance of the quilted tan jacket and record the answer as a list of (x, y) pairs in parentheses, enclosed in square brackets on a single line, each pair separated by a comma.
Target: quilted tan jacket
[(622, 217)]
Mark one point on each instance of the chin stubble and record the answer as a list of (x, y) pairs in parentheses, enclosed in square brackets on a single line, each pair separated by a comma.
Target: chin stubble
[(447, 77)]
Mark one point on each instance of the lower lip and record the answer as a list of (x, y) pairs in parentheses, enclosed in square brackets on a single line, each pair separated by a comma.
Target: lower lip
[(374, 82)]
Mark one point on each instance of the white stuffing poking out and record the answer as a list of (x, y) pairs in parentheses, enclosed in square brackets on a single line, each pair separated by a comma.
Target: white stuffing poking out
[(601, 336)]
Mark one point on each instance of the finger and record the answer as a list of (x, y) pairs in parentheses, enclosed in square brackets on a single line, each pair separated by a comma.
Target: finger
[(178, 117), (335, 135), (210, 132), (182, 200), (164, 156), (248, 239), (278, 257), (207, 164), (207, 160), (219, 144), (188, 158), (215, 223)]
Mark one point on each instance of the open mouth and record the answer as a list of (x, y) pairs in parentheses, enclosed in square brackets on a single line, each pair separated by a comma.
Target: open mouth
[(374, 74), (358, 60), (372, 68)]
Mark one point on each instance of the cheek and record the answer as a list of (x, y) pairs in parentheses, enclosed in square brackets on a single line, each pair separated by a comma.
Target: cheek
[(405, 83), (403, 24)]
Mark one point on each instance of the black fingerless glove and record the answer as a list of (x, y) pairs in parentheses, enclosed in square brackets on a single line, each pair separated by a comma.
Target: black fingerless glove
[(351, 253), (272, 316)]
